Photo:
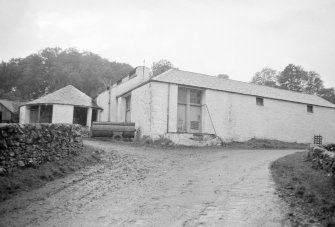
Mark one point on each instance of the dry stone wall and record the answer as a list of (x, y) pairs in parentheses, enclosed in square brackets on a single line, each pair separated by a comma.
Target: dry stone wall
[(29, 145), (323, 157)]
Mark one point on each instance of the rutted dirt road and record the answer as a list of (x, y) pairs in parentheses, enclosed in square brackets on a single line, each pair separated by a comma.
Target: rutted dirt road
[(141, 186)]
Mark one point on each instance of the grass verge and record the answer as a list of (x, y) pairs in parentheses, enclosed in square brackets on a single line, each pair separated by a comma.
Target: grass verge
[(32, 178), (264, 144), (250, 144), (305, 188)]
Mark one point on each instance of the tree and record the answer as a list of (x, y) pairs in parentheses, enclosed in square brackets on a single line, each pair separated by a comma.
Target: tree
[(293, 78), (314, 83), (161, 66), (53, 68), (223, 76), (328, 94), (266, 76)]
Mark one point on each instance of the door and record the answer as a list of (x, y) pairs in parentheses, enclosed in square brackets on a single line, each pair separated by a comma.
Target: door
[(189, 110), (195, 111)]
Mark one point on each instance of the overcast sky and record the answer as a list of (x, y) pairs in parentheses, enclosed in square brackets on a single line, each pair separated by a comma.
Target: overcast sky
[(233, 37)]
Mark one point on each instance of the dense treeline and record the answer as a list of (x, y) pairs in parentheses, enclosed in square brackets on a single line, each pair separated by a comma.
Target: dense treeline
[(295, 78), (53, 68)]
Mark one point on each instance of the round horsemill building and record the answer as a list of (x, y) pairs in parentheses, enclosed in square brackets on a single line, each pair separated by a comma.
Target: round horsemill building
[(66, 105)]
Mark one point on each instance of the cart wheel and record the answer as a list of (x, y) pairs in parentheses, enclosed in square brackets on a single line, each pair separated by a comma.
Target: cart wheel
[(117, 137)]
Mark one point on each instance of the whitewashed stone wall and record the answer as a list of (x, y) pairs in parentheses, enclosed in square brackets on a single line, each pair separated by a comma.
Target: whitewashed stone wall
[(24, 114), (150, 108), (62, 114), (117, 90), (237, 117), (141, 108)]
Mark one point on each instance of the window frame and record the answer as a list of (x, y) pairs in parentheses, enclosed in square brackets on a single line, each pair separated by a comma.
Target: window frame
[(310, 108), (188, 104), (259, 101)]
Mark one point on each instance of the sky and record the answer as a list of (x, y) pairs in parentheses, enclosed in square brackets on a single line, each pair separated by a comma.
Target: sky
[(234, 37)]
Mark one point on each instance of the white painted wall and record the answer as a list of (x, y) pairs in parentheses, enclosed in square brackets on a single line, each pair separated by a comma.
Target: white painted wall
[(150, 108), (89, 117), (235, 117), (24, 114), (140, 109), (117, 90), (62, 114)]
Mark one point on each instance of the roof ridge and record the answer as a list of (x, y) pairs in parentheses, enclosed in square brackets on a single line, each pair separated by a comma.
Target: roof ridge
[(212, 82), (252, 84), (69, 95)]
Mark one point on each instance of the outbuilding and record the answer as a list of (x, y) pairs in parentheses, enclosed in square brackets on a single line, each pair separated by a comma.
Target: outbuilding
[(66, 105), (9, 111), (187, 107)]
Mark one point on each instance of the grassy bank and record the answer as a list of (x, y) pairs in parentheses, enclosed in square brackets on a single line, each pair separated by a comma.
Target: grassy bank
[(250, 144), (305, 188), (264, 144), (30, 178)]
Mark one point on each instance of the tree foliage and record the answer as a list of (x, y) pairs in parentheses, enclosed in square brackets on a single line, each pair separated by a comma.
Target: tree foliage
[(53, 68), (161, 66), (295, 78), (328, 94), (266, 76), (314, 83)]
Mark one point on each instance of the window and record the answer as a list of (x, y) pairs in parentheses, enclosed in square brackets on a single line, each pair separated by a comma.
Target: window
[(310, 108), (33, 114), (128, 109), (189, 110), (259, 101), (195, 96), (46, 114), (94, 115), (80, 115)]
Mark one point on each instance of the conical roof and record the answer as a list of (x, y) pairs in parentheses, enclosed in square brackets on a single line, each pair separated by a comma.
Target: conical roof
[(68, 95)]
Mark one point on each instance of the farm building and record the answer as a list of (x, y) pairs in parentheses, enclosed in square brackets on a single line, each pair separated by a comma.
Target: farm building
[(66, 105), (187, 107), (9, 111)]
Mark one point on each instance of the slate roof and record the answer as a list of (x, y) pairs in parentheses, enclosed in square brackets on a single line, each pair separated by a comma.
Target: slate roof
[(68, 95), (212, 82), (12, 106)]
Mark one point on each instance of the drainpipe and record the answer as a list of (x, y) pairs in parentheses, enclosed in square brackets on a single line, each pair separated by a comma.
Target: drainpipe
[(109, 104)]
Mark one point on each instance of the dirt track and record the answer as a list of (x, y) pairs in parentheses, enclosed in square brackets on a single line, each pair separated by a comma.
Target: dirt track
[(158, 187)]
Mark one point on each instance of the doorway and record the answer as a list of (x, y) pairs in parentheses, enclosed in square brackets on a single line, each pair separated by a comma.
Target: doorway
[(80, 116)]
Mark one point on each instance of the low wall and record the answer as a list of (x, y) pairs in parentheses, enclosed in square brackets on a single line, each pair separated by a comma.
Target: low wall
[(30, 145), (323, 157)]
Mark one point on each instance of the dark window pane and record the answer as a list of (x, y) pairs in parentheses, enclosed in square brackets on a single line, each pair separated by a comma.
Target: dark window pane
[(181, 124), (182, 95), (260, 101), (310, 108), (195, 97)]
